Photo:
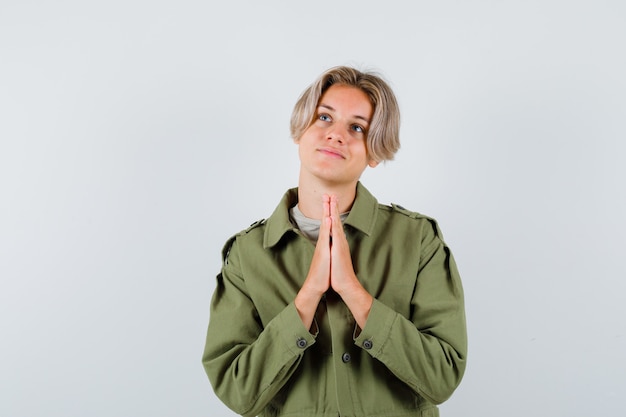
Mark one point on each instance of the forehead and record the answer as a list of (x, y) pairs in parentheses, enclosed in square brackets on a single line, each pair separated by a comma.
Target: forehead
[(348, 99)]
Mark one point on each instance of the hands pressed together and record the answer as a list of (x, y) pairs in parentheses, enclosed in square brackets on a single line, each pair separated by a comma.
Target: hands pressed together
[(331, 267)]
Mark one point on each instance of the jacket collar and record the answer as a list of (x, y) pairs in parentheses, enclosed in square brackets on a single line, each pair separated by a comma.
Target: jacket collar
[(362, 215)]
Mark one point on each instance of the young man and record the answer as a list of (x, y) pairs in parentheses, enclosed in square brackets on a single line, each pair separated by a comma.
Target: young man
[(337, 305)]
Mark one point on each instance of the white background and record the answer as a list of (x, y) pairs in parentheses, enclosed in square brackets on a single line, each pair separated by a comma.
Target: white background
[(137, 136)]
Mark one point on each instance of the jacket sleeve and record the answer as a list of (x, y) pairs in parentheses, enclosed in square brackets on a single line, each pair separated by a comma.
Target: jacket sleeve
[(428, 350), (246, 362)]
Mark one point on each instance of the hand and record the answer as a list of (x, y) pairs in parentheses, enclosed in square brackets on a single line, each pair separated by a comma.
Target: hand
[(318, 278), (342, 277), (331, 266), (317, 281)]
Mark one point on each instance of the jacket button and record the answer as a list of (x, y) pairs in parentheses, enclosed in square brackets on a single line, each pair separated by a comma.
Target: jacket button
[(301, 343), (368, 344), (346, 357)]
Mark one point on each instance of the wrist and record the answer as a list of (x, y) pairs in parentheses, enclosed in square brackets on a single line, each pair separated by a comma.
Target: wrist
[(306, 303), (349, 287), (358, 300), (308, 297)]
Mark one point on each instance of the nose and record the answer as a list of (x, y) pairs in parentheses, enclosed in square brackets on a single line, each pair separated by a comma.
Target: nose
[(335, 134)]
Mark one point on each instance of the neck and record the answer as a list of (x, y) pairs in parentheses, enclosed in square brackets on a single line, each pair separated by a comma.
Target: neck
[(310, 197)]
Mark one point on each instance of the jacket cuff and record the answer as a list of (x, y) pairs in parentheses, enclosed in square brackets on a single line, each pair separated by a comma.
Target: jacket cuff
[(377, 328), (296, 337)]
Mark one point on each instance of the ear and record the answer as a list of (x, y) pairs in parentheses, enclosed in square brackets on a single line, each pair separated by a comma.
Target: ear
[(372, 163)]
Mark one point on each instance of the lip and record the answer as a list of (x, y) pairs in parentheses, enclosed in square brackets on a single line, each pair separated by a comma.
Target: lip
[(332, 152)]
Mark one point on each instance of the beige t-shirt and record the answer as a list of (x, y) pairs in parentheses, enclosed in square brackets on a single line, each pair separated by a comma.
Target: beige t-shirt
[(309, 227)]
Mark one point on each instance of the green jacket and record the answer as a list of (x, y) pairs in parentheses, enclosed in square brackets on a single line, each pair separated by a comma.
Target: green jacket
[(261, 360)]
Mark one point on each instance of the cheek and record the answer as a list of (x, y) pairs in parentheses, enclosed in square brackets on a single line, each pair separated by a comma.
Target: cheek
[(360, 148), (303, 149)]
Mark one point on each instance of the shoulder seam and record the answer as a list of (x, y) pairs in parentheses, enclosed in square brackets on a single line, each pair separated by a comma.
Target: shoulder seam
[(253, 226), (412, 214), (418, 216), (231, 240)]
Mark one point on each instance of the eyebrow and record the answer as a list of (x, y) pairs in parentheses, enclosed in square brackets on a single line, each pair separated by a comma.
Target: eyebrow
[(356, 116)]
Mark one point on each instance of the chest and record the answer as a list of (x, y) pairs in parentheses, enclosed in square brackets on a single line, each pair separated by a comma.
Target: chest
[(387, 268)]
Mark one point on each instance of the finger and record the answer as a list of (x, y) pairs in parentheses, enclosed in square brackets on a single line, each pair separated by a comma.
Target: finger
[(325, 231), (335, 216), (326, 199), (325, 226), (326, 218)]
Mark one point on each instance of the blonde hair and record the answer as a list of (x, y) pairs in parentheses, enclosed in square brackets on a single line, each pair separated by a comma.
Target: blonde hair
[(383, 135)]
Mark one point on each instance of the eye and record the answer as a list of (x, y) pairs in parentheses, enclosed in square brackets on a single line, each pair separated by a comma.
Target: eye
[(324, 117), (357, 129)]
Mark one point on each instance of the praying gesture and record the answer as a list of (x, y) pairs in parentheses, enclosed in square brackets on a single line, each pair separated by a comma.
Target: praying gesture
[(331, 267)]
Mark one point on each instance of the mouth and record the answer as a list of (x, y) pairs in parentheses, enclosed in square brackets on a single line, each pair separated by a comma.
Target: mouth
[(334, 153)]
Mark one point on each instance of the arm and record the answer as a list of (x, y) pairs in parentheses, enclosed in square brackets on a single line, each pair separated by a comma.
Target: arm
[(427, 351), (247, 363)]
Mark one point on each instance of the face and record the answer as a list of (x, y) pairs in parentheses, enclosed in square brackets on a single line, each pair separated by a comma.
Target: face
[(333, 149)]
